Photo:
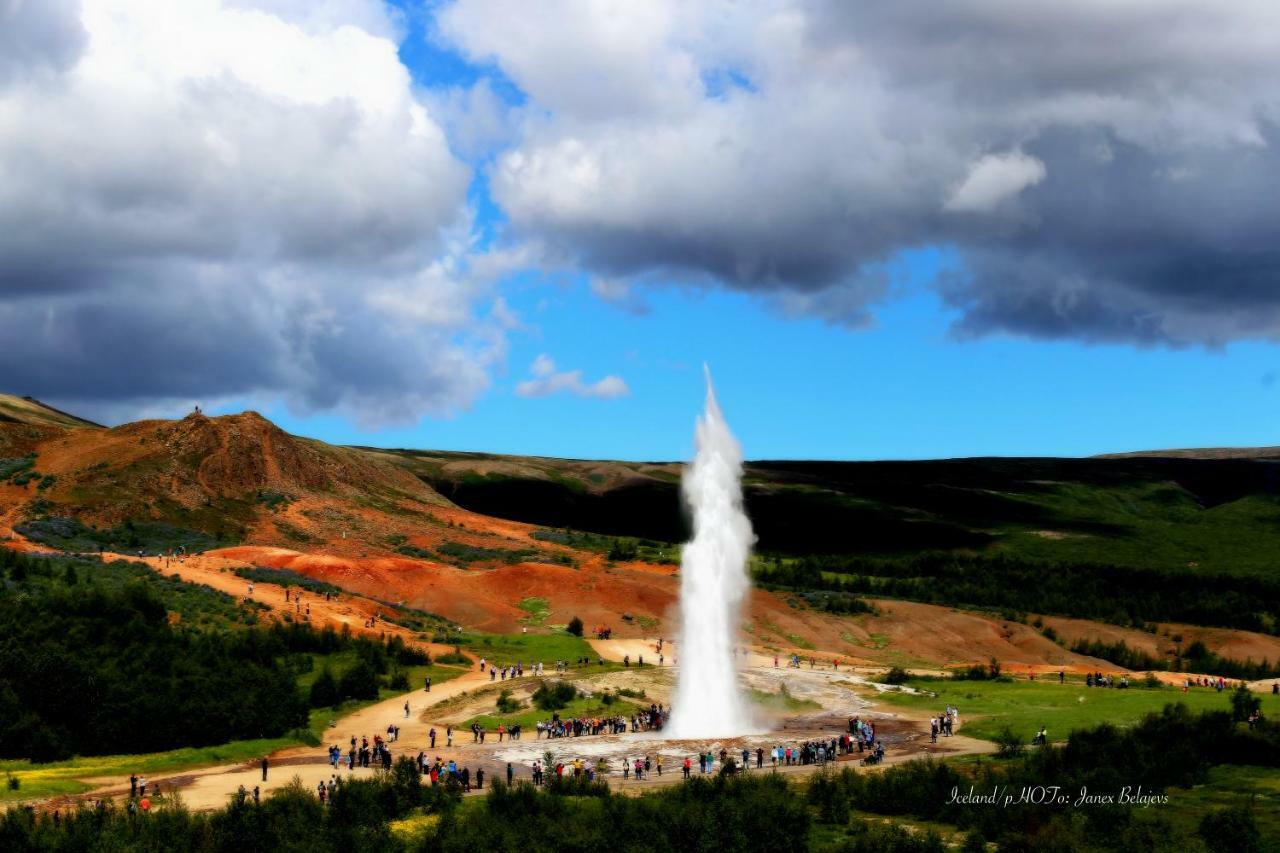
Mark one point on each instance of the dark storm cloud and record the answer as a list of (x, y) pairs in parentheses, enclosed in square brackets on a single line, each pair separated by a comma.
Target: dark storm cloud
[(1103, 170)]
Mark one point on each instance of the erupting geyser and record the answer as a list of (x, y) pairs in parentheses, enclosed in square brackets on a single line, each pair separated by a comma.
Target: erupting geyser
[(713, 581)]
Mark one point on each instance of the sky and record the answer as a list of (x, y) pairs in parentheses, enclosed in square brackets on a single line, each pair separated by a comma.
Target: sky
[(889, 230)]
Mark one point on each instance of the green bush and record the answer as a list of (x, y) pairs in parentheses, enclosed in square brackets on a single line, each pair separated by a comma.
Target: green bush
[(1231, 831), (1010, 744), (360, 681), (574, 627), (896, 675), (554, 695), (508, 704)]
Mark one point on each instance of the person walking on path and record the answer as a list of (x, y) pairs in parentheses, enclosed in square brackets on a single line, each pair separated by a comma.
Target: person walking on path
[(406, 710), (264, 768)]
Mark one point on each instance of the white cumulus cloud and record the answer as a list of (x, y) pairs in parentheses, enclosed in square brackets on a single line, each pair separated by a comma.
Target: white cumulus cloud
[(994, 179), (211, 199), (547, 380)]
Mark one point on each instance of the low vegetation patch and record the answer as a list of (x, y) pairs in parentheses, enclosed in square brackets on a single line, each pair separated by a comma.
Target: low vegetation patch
[(150, 537), (11, 466), (538, 609), (783, 701), (287, 578)]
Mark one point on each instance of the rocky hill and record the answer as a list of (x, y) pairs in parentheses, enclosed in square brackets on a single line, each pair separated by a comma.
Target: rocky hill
[(223, 475)]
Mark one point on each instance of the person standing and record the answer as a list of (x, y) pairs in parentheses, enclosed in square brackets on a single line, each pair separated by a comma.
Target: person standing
[(432, 735), (133, 785), (510, 773), (406, 710), (264, 768)]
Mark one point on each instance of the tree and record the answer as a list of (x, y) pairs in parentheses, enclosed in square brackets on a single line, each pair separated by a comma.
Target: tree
[(1244, 703), (324, 690), (575, 627), (359, 682)]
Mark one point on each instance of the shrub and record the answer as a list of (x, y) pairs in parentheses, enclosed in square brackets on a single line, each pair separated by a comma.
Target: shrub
[(1009, 743), (896, 675), (1230, 831), (508, 704), (575, 627), (554, 695), (455, 657), (1244, 703)]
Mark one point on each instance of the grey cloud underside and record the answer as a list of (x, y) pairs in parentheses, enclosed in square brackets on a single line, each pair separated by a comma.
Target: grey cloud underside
[(174, 231), (38, 36), (1150, 212), (181, 339)]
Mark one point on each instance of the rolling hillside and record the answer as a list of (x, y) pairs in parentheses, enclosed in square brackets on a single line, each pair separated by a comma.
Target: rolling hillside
[(241, 479), (1217, 514), (29, 410), (499, 542)]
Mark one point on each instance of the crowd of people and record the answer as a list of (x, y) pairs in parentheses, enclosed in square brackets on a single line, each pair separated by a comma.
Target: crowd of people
[(1097, 679), (944, 723), (364, 754), (651, 719)]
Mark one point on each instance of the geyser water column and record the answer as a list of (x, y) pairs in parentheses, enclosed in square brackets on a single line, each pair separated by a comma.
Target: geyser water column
[(713, 582)]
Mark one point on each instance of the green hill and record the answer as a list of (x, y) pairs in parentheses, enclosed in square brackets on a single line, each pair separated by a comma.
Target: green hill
[(1219, 515)]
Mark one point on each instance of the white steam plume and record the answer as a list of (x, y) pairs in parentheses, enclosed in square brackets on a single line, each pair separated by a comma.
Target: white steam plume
[(713, 582)]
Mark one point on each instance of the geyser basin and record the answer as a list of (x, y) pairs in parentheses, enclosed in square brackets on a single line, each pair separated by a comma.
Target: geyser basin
[(713, 583)]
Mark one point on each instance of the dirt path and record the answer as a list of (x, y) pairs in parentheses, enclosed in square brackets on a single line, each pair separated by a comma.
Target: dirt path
[(210, 788)]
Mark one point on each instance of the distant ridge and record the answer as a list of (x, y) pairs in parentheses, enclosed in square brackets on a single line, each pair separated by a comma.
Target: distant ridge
[(1199, 453), (29, 410)]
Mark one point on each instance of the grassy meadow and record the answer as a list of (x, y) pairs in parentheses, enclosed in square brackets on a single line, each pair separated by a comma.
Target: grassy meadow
[(986, 707)]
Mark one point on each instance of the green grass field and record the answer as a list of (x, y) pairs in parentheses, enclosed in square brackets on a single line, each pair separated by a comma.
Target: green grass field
[(987, 706), (545, 648), (529, 715), (65, 777)]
